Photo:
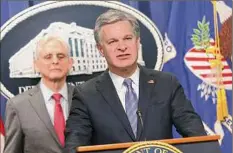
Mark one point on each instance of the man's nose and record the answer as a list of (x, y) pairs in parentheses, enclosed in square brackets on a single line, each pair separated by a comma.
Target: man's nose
[(122, 46), (54, 60)]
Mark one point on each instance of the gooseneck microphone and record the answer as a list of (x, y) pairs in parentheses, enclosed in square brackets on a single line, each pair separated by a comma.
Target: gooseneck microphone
[(140, 118), (139, 114)]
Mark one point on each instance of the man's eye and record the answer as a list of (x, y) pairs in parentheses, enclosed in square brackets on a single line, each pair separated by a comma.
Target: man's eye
[(111, 42), (47, 57), (61, 56), (128, 38)]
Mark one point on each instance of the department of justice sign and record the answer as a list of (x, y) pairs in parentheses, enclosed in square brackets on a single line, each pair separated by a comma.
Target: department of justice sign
[(74, 20), (152, 147)]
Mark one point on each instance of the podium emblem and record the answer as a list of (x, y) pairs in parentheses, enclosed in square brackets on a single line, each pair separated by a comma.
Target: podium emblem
[(152, 147)]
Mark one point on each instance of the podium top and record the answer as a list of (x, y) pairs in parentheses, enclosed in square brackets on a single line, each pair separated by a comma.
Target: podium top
[(129, 144)]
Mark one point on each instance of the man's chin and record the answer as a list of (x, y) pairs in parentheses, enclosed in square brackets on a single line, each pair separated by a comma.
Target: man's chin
[(127, 65), (56, 78)]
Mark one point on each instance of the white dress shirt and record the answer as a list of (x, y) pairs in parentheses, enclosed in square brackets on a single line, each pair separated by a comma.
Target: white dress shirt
[(121, 89), (50, 102)]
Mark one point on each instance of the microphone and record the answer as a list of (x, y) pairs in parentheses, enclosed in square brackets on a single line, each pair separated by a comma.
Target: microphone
[(140, 117), (141, 121)]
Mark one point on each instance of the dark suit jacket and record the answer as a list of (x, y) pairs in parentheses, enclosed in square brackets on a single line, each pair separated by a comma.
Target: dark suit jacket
[(98, 117), (28, 125)]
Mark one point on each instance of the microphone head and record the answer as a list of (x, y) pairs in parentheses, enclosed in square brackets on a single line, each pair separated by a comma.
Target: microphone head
[(139, 112)]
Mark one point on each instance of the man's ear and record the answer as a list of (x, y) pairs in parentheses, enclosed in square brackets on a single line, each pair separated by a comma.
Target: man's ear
[(71, 62), (138, 42), (35, 63), (100, 48)]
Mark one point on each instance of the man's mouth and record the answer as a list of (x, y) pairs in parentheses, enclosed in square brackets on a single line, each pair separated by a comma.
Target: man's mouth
[(55, 69), (123, 56)]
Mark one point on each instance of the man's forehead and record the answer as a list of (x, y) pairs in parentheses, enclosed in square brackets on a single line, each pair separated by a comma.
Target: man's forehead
[(54, 47), (53, 52), (54, 42)]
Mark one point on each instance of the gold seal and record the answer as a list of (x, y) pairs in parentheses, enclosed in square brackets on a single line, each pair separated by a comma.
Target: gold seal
[(152, 146)]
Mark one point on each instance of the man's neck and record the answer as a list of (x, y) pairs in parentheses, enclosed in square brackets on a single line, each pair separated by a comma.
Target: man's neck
[(55, 86), (125, 72)]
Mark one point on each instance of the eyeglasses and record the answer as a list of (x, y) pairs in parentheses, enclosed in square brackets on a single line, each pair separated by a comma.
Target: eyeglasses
[(49, 58)]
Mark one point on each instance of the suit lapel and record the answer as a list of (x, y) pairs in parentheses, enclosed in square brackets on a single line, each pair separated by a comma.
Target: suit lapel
[(37, 102), (106, 88), (70, 95), (146, 86)]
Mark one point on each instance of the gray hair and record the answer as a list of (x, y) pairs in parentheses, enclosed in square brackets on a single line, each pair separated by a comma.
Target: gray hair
[(112, 16), (47, 38)]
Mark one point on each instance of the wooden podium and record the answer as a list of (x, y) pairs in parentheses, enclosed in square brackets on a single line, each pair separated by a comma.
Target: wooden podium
[(201, 144)]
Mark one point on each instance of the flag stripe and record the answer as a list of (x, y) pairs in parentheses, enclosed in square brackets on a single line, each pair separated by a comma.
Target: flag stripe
[(196, 54), (208, 67), (198, 50), (211, 75), (225, 82), (203, 59), (205, 63)]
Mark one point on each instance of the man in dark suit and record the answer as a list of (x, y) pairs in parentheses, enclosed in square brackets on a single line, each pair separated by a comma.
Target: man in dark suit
[(35, 119), (127, 102)]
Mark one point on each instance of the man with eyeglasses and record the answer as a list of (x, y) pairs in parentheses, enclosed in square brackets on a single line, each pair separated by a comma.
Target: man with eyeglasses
[(35, 119)]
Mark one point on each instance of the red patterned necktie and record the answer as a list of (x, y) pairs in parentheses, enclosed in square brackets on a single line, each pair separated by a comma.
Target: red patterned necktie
[(59, 120)]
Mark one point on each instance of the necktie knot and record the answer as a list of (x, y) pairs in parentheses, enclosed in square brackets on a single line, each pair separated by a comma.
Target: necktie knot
[(128, 82), (57, 97)]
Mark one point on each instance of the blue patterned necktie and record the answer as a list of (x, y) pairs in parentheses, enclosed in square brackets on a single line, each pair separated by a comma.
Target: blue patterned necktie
[(131, 104)]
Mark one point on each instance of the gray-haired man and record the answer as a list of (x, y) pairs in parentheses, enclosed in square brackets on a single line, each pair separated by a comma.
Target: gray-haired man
[(35, 119)]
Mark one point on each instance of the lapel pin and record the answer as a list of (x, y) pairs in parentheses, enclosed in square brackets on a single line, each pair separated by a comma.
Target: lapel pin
[(151, 81)]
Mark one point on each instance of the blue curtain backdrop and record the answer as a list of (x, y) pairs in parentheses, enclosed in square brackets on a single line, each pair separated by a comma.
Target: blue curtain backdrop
[(177, 19)]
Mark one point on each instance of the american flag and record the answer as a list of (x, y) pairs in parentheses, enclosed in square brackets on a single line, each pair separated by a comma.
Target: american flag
[(197, 60)]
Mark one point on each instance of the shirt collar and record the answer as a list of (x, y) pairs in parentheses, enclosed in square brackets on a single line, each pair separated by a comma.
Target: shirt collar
[(135, 77), (47, 93), (118, 80)]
